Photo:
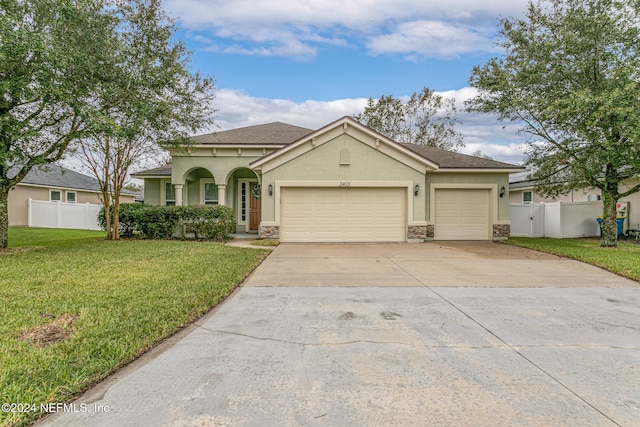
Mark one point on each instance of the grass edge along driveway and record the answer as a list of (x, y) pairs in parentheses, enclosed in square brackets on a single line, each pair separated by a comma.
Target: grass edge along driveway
[(623, 260), (77, 308)]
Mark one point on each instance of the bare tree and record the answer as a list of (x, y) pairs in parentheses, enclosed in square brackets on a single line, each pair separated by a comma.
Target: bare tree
[(150, 101)]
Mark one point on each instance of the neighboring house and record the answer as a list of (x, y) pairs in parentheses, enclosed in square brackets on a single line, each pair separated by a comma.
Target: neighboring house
[(523, 190), (54, 183), (341, 183)]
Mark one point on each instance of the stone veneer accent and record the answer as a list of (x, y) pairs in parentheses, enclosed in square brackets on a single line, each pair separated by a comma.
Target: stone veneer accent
[(270, 232), (431, 231), (501, 231), (417, 232)]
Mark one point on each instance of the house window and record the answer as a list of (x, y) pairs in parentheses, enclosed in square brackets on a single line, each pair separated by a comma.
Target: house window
[(243, 201), (210, 193), (527, 196), (55, 195), (169, 194), (71, 196)]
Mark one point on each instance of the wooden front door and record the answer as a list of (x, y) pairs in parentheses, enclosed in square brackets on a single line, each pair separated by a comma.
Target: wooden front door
[(255, 207)]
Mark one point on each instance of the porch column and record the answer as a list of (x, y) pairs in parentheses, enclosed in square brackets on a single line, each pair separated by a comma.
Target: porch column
[(222, 194), (178, 188)]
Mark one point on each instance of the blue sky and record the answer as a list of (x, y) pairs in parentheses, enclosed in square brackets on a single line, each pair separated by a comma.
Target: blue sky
[(309, 62)]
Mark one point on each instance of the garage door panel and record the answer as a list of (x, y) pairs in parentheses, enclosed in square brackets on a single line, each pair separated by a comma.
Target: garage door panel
[(343, 214), (461, 214)]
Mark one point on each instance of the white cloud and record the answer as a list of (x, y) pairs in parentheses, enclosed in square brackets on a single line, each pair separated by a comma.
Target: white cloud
[(238, 109), (436, 39), (414, 28), (356, 14), (294, 49), (482, 132), (510, 153)]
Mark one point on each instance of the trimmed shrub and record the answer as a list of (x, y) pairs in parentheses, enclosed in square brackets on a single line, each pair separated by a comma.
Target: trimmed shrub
[(128, 217), (157, 222), (211, 222), (166, 222)]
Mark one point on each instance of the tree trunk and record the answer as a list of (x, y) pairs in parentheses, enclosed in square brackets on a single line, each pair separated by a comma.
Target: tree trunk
[(108, 215), (609, 225), (4, 217), (116, 219)]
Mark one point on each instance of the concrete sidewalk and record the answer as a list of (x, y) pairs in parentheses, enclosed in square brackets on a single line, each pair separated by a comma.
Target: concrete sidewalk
[(385, 354)]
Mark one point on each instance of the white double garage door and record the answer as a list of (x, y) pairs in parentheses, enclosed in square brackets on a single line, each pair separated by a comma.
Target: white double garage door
[(373, 214)]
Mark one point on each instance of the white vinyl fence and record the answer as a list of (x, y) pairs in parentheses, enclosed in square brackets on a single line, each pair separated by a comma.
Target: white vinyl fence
[(63, 215), (557, 220)]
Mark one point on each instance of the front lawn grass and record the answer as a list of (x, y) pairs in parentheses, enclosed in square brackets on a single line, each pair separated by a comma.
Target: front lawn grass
[(23, 236), (74, 312), (265, 242), (623, 260)]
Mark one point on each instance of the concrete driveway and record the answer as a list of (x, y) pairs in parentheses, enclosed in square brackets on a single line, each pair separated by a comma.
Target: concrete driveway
[(428, 334)]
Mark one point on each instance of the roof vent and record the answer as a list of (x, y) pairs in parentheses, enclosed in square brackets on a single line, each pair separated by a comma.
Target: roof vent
[(345, 157)]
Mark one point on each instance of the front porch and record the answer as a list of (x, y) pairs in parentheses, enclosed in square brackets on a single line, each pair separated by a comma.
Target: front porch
[(238, 189)]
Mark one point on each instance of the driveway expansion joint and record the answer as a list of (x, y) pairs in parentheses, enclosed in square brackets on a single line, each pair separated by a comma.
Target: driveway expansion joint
[(361, 341)]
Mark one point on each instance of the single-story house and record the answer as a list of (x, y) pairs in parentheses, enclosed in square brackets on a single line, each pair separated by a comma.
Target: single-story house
[(54, 183), (522, 189), (343, 182)]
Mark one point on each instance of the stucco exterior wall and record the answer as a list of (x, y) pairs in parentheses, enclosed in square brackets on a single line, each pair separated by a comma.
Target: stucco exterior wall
[(475, 178), (18, 203), (221, 164), (152, 191), (323, 163)]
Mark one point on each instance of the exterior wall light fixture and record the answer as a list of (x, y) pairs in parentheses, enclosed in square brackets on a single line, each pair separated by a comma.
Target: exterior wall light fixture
[(416, 189), (271, 190), (502, 191)]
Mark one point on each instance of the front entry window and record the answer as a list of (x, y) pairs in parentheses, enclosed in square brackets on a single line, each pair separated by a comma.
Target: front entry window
[(210, 193), (243, 201)]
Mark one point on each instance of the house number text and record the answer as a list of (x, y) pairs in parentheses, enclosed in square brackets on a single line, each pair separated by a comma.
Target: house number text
[(345, 184)]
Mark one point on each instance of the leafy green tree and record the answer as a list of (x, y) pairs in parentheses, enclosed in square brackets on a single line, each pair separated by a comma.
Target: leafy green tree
[(150, 96), (52, 55), (426, 118), (479, 153), (571, 75)]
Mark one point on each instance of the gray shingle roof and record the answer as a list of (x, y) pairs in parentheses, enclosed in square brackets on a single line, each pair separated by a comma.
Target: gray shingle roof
[(451, 160), (279, 133), (267, 134), (56, 176), (161, 171)]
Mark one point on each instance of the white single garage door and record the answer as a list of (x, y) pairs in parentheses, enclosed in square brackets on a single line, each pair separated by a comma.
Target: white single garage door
[(461, 214), (356, 214)]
